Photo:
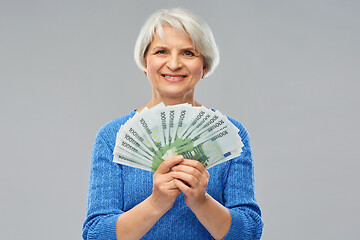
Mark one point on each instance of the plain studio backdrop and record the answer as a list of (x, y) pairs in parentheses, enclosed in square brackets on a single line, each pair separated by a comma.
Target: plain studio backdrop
[(289, 71)]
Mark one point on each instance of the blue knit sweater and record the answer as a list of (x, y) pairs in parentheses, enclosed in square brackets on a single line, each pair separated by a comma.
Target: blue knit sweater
[(115, 188)]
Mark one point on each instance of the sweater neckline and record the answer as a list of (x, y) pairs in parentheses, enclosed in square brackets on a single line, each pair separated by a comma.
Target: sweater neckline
[(133, 112)]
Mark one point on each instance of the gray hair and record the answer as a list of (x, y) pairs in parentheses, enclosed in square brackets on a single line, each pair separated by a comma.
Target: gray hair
[(184, 21)]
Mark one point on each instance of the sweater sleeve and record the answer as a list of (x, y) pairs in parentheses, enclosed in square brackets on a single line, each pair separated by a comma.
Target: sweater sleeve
[(105, 198), (239, 195)]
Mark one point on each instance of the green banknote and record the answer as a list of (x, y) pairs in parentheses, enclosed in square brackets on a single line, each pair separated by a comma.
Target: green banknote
[(161, 132)]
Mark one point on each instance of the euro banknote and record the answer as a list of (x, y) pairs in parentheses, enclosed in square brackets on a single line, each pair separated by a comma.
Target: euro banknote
[(197, 133)]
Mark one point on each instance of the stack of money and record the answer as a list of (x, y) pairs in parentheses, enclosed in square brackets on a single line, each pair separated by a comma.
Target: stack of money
[(197, 133)]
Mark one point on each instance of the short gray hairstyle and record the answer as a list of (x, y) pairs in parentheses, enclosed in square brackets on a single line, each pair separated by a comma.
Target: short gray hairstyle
[(184, 21)]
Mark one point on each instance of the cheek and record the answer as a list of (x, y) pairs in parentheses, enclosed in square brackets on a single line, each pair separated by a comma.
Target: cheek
[(153, 65), (197, 65), (197, 68)]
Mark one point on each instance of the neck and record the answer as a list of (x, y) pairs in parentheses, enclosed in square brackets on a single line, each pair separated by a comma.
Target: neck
[(168, 101)]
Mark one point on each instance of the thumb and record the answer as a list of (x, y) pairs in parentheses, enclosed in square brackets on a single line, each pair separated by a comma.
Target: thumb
[(166, 165)]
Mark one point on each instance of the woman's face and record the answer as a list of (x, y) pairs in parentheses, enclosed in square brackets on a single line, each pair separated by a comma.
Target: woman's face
[(173, 64)]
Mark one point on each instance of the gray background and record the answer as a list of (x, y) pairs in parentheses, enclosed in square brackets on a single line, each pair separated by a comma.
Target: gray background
[(289, 71)]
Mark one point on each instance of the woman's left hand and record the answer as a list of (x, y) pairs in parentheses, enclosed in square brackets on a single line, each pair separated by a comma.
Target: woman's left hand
[(191, 177)]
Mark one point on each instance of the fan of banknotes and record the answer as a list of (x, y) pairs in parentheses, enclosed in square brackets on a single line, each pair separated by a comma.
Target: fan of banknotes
[(197, 133)]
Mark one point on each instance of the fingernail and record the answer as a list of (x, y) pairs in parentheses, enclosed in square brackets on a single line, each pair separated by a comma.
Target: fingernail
[(174, 168)]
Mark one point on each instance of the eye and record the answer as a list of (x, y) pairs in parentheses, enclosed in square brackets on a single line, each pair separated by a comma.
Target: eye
[(160, 52), (189, 53)]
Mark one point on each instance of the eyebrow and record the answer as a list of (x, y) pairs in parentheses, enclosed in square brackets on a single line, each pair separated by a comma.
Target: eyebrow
[(166, 48)]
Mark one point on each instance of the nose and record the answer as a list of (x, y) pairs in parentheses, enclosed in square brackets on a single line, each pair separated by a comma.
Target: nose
[(174, 62)]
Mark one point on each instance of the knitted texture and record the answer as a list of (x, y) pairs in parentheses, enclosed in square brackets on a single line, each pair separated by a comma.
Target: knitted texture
[(116, 188)]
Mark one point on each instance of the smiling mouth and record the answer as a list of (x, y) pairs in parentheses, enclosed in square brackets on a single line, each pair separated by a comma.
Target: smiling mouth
[(174, 78)]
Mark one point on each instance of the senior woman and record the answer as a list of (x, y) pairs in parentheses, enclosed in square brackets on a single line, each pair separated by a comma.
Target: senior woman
[(181, 200)]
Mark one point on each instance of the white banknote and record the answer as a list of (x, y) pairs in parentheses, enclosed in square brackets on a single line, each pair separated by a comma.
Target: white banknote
[(197, 133)]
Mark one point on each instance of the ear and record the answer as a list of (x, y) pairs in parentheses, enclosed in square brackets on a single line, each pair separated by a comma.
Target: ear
[(204, 71)]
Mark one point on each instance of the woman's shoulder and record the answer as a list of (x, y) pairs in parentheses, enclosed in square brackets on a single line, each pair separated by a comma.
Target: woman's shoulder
[(110, 129), (242, 130)]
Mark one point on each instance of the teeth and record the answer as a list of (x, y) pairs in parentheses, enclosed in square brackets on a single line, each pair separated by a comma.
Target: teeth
[(171, 77)]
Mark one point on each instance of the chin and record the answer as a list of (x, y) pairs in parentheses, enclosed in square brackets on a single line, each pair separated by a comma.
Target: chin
[(175, 94)]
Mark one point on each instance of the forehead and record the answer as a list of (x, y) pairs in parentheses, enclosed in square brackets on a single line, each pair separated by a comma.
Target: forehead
[(171, 37)]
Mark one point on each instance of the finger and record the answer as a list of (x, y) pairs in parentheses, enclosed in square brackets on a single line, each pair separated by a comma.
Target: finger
[(182, 186), (176, 191), (162, 178), (171, 185), (191, 180), (166, 165), (194, 163), (189, 170)]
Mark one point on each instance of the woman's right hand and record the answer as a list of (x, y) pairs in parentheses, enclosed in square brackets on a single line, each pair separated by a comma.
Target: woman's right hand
[(164, 190), (136, 222)]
